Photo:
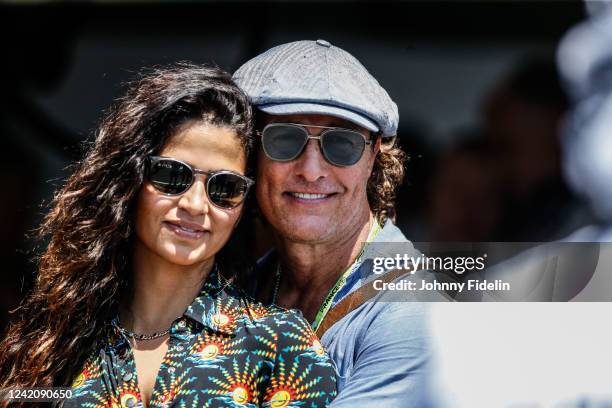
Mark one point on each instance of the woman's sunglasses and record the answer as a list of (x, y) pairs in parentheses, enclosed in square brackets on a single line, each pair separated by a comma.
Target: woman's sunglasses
[(224, 188), (285, 141)]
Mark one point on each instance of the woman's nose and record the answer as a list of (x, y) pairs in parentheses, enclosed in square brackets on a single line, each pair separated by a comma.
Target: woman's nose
[(195, 200)]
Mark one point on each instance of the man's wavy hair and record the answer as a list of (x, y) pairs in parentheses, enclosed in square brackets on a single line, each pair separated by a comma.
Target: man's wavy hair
[(89, 229), (387, 175)]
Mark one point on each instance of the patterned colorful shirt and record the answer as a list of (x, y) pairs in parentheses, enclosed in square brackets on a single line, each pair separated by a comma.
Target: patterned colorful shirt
[(225, 351)]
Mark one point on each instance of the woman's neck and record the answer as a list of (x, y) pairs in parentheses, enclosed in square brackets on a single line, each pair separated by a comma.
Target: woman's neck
[(161, 291)]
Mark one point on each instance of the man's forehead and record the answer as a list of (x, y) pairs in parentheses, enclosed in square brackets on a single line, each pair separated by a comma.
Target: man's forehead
[(314, 120)]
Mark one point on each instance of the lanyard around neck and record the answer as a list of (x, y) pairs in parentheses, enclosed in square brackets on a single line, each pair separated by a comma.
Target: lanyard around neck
[(327, 303), (375, 228)]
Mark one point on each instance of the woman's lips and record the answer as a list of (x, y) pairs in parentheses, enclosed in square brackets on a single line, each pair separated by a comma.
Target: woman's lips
[(185, 231)]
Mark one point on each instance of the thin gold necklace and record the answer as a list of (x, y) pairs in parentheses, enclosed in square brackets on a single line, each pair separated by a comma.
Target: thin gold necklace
[(137, 336)]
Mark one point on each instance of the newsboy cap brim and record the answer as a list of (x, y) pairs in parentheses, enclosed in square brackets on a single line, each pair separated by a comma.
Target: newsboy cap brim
[(302, 108)]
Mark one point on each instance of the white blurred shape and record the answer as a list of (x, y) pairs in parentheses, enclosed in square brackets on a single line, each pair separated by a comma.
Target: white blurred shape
[(585, 63), (523, 354)]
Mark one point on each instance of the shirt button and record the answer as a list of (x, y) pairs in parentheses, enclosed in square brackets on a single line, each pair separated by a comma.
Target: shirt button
[(179, 348), (323, 43), (127, 377), (182, 324), (131, 402), (171, 370)]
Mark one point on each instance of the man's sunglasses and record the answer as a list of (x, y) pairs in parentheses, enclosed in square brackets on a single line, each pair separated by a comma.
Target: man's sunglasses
[(285, 141), (224, 188)]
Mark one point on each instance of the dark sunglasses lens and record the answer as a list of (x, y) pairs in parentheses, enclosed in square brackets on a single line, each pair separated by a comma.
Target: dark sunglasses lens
[(227, 190), (282, 142), (169, 176), (343, 148)]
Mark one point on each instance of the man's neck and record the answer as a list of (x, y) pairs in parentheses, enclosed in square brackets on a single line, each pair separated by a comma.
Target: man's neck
[(309, 271)]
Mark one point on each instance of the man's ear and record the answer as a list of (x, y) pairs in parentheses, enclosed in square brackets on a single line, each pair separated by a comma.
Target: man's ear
[(375, 150), (377, 145)]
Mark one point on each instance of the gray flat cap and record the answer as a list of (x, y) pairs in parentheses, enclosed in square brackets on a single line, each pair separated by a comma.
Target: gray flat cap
[(315, 77)]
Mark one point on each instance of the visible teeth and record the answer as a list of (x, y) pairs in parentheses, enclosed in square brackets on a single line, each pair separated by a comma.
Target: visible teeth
[(185, 228), (307, 196)]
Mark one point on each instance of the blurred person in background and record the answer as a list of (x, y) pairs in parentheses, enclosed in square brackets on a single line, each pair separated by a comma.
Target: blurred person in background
[(523, 116), (506, 183), (134, 304), (550, 354), (465, 194)]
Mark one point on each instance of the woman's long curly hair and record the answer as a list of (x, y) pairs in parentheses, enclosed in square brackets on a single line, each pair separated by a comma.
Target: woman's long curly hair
[(387, 175), (90, 227)]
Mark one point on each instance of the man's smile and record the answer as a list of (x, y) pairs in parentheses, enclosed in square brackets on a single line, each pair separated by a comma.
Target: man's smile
[(309, 196)]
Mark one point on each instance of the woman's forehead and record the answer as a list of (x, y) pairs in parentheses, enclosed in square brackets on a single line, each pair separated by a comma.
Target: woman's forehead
[(204, 145)]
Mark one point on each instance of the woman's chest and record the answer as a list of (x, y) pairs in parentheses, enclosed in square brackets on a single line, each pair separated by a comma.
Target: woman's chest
[(148, 359), (205, 369)]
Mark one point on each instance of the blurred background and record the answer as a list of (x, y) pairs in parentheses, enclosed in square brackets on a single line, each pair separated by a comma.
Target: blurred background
[(480, 102)]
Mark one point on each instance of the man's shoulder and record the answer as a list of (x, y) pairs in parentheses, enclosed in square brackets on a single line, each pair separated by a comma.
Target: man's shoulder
[(382, 346), (379, 322), (390, 233), (389, 242)]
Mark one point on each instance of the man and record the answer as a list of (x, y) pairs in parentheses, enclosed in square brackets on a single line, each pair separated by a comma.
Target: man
[(326, 177)]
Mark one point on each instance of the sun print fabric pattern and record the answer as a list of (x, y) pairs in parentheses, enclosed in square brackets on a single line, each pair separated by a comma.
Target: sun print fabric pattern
[(225, 351)]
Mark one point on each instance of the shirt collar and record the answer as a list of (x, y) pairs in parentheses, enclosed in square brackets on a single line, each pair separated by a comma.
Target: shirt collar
[(218, 305)]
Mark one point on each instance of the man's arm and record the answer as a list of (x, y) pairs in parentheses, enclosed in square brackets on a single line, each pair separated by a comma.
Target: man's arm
[(390, 366)]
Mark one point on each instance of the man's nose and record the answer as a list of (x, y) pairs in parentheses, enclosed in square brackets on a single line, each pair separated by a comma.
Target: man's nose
[(194, 200), (311, 165)]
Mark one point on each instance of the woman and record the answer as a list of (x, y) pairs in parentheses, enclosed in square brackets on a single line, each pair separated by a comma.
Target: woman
[(131, 306)]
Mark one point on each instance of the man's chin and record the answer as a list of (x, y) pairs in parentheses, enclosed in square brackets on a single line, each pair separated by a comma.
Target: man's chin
[(307, 229)]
